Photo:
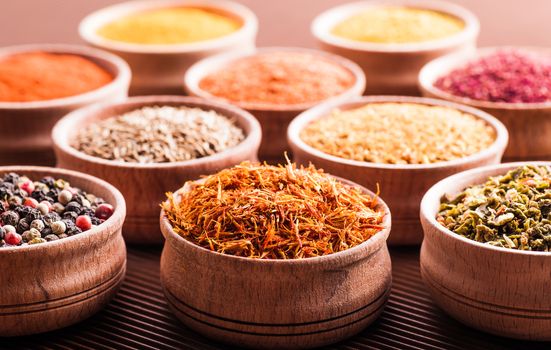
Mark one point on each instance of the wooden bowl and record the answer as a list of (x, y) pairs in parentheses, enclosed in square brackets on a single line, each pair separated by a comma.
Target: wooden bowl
[(52, 285), (501, 291), (157, 69), (393, 68), (273, 118), (402, 186), (144, 185), (27, 125), (529, 124), (276, 304)]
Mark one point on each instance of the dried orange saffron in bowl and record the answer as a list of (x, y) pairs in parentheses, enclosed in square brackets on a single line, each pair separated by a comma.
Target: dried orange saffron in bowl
[(278, 78), (273, 212)]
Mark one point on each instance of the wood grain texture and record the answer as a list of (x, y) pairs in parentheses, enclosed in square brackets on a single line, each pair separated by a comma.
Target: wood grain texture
[(393, 68), (401, 186), (159, 69), (144, 185), (27, 126), (501, 291), (275, 119), (52, 285), (529, 124), (276, 304)]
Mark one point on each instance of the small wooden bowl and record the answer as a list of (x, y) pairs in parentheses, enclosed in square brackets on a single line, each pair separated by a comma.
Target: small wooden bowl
[(273, 118), (402, 186), (393, 68), (529, 124), (277, 304), (27, 125), (501, 291), (157, 69), (52, 285), (144, 185)]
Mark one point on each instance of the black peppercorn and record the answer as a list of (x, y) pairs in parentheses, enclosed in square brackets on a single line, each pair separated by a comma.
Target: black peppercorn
[(23, 225), (10, 218), (87, 211), (46, 231), (39, 195), (48, 181), (73, 207), (11, 177), (51, 217), (2, 233), (70, 215), (33, 214), (95, 220)]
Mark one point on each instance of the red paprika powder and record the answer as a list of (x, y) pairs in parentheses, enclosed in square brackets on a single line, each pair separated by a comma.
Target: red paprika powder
[(37, 76), (279, 78)]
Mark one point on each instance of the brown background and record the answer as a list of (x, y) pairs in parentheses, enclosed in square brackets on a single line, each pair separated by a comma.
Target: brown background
[(282, 22)]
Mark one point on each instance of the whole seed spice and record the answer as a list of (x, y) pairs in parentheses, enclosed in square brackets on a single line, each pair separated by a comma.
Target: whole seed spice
[(399, 133), (159, 134), (510, 76), (46, 210), (273, 212), (38, 76), (398, 25), (509, 211), (177, 25), (278, 78)]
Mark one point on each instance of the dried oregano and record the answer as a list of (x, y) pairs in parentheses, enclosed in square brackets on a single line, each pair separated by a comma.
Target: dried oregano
[(509, 211)]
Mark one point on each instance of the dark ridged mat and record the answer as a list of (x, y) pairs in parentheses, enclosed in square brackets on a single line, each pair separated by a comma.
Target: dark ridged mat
[(138, 318)]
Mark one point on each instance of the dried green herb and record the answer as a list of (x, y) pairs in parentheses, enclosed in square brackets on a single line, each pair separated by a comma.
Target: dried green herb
[(509, 211), (273, 212)]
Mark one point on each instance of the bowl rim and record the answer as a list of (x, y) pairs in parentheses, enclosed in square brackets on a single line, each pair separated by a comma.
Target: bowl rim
[(442, 65), (121, 77), (118, 215), (323, 23), (252, 138), (323, 110), (197, 72), (438, 189), (364, 249), (89, 25)]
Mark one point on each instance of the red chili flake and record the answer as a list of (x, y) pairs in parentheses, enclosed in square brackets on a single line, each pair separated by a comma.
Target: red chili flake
[(509, 76)]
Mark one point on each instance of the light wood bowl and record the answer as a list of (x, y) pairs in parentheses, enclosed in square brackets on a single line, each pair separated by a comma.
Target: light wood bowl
[(529, 124), (393, 68), (402, 186), (144, 185), (27, 125), (273, 118), (501, 291), (157, 69), (52, 285), (277, 304)]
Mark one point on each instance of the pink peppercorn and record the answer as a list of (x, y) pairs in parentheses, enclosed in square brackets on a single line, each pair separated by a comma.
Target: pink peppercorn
[(84, 222), (104, 211), (30, 202), (12, 238), (509, 76), (27, 186)]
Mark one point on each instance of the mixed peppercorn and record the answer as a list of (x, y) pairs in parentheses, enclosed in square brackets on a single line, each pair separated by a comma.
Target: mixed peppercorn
[(46, 210)]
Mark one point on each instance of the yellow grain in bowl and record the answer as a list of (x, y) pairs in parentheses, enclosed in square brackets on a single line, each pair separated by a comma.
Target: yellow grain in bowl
[(176, 25), (398, 25), (399, 133)]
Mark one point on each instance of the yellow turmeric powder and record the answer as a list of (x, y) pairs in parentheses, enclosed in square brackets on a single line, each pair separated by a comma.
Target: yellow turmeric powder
[(395, 25), (176, 25)]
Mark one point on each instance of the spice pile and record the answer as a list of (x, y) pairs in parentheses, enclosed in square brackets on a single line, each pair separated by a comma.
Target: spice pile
[(278, 78), (178, 25), (159, 134), (45, 210), (398, 25), (399, 133), (269, 212), (38, 76), (509, 211), (509, 76)]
